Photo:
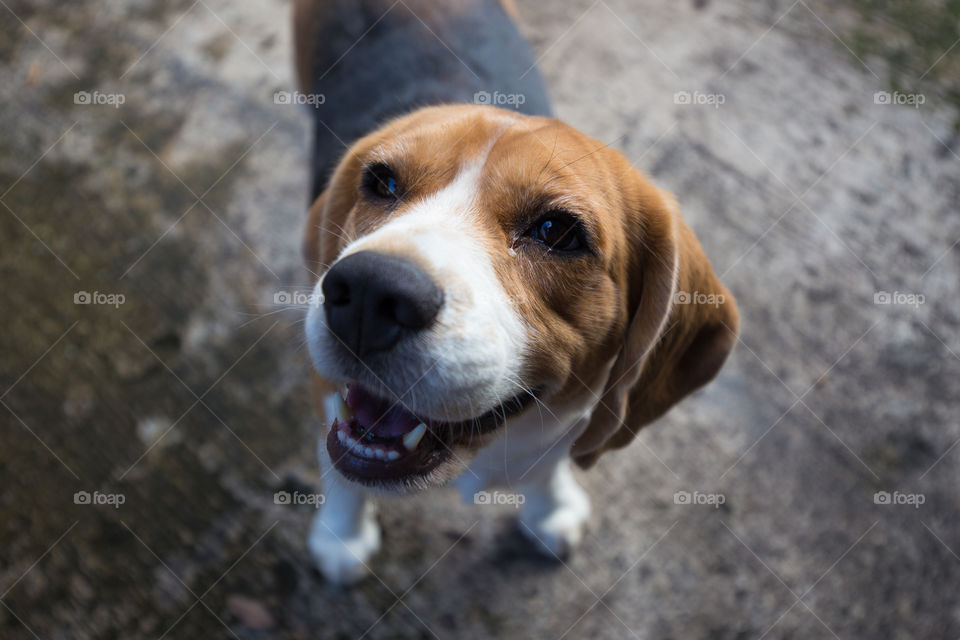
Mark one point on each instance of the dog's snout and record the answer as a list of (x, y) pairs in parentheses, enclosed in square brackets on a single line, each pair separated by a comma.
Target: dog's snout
[(372, 299)]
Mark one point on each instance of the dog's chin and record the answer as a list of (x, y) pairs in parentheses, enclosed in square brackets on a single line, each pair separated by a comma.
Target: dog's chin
[(382, 445)]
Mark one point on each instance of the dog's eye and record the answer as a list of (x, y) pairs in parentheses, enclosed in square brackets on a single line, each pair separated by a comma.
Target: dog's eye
[(559, 232), (380, 182)]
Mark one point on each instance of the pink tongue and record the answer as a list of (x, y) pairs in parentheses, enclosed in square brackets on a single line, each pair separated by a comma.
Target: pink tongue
[(381, 416)]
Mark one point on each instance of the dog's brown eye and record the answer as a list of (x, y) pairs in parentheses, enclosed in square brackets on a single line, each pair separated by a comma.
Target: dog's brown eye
[(380, 182), (559, 232)]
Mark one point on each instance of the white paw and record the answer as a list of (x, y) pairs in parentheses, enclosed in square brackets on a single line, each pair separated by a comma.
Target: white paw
[(558, 530), (344, 557)]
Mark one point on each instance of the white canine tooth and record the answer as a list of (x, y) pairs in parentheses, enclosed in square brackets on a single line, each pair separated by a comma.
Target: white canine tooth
[(341, 436), (367, 451), (344, 413), (412, 439), (392, 455)]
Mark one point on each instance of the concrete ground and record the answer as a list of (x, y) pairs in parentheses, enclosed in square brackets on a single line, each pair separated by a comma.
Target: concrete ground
[(186, 398)]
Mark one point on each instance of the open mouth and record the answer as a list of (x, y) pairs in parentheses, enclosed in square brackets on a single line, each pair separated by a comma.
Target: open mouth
[(377, 441)]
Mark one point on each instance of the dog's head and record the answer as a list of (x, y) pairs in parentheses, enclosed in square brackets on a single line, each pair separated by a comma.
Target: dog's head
[(474, 262)]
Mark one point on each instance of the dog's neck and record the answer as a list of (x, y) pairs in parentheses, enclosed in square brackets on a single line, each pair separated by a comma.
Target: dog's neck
[(533, 442)]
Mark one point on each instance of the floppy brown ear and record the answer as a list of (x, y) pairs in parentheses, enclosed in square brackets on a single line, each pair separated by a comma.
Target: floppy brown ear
[(683, 326)]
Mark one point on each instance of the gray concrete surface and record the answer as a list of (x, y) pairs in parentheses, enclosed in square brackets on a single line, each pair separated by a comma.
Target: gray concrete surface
[(189, 399)]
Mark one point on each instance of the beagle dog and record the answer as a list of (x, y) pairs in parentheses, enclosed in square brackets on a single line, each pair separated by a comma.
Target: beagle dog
[(501, 295)]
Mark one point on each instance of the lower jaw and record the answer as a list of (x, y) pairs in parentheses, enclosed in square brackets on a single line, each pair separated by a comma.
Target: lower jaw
[(427, 461), (410, 469)]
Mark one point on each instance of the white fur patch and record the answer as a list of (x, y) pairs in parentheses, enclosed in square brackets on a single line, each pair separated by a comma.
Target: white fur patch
[(555, 512), (344, 535)]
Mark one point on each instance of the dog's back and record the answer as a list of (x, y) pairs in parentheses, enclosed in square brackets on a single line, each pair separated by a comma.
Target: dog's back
[(376, 59)]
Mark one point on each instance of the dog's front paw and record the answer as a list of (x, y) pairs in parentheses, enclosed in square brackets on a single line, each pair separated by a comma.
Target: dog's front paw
[(556, 526), (344, 557), (557, 534)]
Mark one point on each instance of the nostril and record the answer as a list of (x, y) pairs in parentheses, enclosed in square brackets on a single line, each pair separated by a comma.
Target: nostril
[(387, 308), (406, 315), (401, 311), (336, 291), (412, 315)]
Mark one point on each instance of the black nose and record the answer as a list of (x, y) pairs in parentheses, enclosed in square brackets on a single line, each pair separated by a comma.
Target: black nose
[(372, 299)]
